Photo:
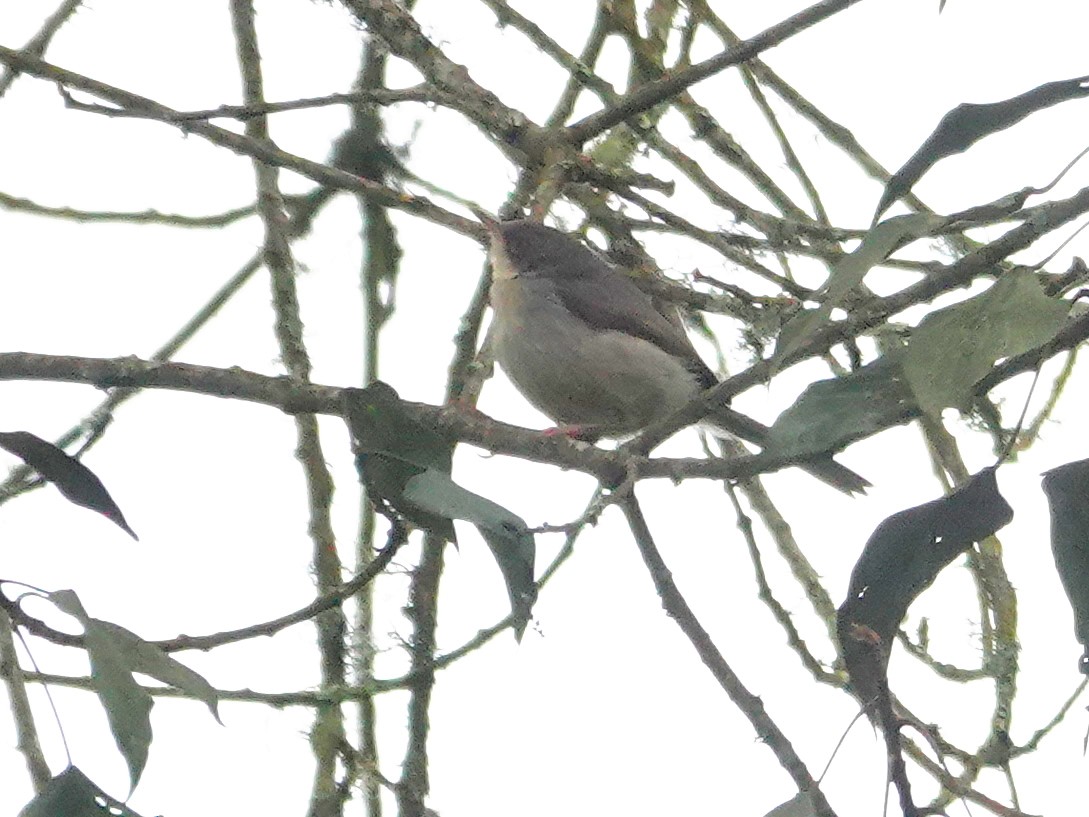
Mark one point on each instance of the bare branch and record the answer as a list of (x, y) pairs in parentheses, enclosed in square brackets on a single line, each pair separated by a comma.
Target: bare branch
[(40, 41), (244, 145), (750, 705), (656, 92), (142, 217)]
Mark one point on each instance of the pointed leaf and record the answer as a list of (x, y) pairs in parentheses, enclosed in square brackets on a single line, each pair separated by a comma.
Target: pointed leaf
[(68, 602), (385, 477), (967, 123), (1067, 489), (902, 558), (953, 348), (506, 533), (407, 465), (830, 414), (73, 479), (128, 706), (72, 794), (144, 657), (391, 448), (877, 245), (380, 424)]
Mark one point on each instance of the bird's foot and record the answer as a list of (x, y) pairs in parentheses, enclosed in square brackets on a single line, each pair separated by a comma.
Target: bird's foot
[(580, 433)]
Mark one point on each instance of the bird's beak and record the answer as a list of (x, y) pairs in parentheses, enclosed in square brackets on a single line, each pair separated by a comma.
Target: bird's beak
[(497, 254)]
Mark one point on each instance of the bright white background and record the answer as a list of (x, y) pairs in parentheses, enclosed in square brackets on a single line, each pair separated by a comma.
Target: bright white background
[(604, 708)]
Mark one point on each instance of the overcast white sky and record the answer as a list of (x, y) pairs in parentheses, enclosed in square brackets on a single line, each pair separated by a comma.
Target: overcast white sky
[(604, 708)]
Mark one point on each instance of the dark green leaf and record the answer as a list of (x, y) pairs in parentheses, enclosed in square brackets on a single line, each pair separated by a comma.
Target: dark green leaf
[(73, 479), (1067, 489), (902, 558), (391, 448), (380, 424), (72, 794), (967, 123), (953, 348), (407, 465), (830, 414)]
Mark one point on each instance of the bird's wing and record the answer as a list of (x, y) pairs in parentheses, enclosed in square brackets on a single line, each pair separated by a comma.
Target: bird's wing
[(607, 299)]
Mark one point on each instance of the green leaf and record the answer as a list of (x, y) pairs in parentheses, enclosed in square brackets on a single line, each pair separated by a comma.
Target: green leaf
[(391, 448), (73, 479), (953, 348), (877, 245), (830, 414), (72, 794), (407, 465), (128, 706), (967, 123), (380, 425), (1067, 490), (144, 657), (115, 653), (506, 533), (68, 602), (902, 557)]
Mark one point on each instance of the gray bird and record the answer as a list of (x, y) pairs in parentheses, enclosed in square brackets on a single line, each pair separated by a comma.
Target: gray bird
[(592, 351)]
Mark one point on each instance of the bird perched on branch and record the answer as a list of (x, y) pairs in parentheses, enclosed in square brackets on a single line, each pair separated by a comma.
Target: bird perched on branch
[(594, 352)]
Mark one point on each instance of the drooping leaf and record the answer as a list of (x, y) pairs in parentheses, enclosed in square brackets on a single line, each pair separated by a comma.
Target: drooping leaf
[(115, 654), (904, 555), (144, 657), (967, 123), (902, 558), (953, 348), (72, 794), (833, 413), (507, 534), (73, 479), (391, 448), (1067, 490), (380, 425), (877, 245), (127, 705), (407, 465)]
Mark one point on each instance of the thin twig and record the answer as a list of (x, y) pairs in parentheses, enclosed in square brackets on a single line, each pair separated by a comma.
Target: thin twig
[(321, 604), (40, 41), (242, 144), (750, 705), (379, 96), (17, 204), (656, 92)]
